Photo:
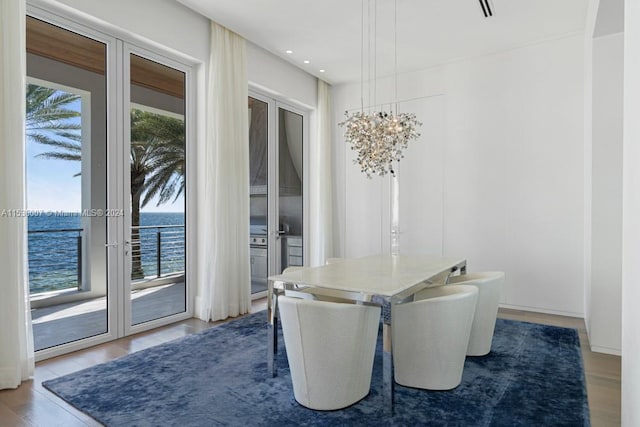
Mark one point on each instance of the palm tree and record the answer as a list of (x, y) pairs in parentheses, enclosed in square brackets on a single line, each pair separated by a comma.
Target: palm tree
[(165, 137), (51, 121), (157, 168), (157, 152)]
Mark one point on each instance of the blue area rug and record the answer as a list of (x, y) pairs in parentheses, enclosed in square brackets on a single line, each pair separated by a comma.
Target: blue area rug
[(533, 377)]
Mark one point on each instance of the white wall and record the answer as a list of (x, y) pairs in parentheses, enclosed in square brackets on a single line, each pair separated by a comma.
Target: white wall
[(590, 23), (280, 78), (513, 171), (604, 322), (631, 219)]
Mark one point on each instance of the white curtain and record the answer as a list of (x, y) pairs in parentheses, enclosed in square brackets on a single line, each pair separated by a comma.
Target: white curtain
[(224, 277), (321, 180), (16, 340)]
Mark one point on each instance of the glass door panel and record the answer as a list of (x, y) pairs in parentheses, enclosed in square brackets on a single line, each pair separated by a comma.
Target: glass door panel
[(157, 252), (276, 137), (259, 197), (66, 146), (290, 185)]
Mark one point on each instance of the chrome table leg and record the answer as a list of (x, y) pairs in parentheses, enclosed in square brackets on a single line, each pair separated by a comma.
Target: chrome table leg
[(387, 369), (272, 330)]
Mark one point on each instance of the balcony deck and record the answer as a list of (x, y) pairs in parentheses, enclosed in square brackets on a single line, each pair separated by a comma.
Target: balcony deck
[(62, 323)]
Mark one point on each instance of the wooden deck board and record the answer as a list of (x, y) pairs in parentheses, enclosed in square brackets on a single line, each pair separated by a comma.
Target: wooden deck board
[(63, 323)]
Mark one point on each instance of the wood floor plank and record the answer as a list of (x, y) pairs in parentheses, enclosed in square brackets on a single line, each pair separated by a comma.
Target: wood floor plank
[(33, 408), (8, 418)]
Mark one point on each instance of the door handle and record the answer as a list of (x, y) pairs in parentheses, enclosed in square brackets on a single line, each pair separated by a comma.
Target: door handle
[(111, 245)]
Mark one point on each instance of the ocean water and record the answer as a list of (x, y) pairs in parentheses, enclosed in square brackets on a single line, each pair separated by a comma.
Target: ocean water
[(54, 247)]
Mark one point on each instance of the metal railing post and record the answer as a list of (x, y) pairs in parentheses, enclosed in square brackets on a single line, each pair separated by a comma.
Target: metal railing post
[(159, 253), (79, 245)]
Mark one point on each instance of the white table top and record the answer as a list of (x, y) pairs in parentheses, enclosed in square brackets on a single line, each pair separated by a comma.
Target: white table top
[(384, 275)]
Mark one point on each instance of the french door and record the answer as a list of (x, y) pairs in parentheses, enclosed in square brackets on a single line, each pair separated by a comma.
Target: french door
[(278, 134), (155, 172), (108, 129)]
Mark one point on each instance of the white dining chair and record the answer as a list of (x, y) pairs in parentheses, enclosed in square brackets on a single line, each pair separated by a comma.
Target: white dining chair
[(489, 286), (293, 287), (430, 337), (330, 347)]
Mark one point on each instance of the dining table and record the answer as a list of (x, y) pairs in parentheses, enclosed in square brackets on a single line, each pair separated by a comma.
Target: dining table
[(384, 279)]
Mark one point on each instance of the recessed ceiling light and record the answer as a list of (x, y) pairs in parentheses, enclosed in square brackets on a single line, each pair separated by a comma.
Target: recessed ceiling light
[(322, 71), (306, 61), (289, 51)]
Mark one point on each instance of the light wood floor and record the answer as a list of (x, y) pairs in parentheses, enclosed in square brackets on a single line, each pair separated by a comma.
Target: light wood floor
[(32, 405)]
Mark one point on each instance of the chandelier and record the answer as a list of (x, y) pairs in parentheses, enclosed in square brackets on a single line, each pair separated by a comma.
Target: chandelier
[(379, 137)]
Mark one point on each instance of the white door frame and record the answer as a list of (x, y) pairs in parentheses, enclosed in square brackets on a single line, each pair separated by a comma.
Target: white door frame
[(274, 241), (118, 176), (189, 120)]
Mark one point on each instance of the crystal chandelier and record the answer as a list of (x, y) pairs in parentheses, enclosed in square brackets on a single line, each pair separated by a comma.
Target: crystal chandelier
[(379, 137)]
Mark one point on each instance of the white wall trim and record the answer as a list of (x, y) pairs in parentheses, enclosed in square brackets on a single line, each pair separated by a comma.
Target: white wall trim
[(609, 35), (606, 350), (542, 310)]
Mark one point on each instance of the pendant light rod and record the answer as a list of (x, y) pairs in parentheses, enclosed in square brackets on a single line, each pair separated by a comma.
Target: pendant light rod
[(375, 50), (369, 76), (362, 57), (395, 53)]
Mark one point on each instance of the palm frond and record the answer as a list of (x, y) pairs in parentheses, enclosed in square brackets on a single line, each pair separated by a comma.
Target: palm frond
[(51, 121), (60, 156)]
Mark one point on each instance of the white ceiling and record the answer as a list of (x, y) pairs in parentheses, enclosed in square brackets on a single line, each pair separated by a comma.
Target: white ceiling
[(429, 32)]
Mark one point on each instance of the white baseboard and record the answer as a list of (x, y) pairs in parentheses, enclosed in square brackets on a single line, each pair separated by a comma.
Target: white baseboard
[(595, 349), (542, 310), (606, 350)]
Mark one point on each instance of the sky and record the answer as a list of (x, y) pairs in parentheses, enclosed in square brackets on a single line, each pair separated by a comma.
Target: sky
[(52, 186)]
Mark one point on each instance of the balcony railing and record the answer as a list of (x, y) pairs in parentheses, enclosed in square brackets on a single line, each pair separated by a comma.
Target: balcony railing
[(56, 256), (55, 259), (157, 251)]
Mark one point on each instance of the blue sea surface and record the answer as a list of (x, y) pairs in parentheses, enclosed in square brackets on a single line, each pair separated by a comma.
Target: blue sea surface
[(54, 247)]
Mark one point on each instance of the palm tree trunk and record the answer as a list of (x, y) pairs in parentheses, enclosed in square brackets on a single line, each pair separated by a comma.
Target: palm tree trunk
[(137, 271)]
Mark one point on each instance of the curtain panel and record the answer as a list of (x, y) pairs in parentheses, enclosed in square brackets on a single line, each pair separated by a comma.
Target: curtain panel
[(16, 339), (321, 180), (224, 274)]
